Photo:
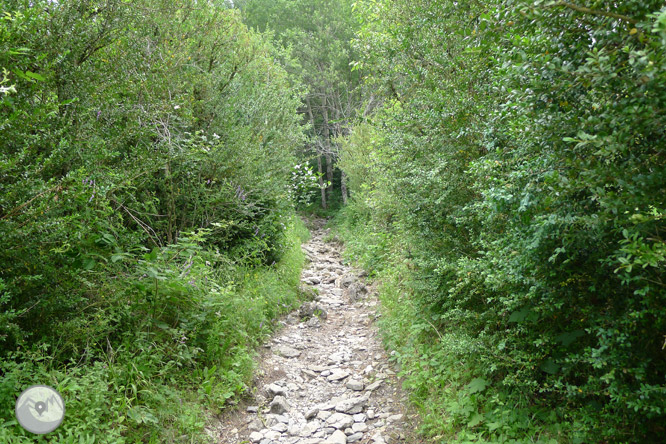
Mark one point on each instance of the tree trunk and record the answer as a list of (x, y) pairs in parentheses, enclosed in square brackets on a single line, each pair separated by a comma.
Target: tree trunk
[(329, 174), (343, 188), (338, 132), (171, 207), (327, 149), (321, 183), (319, 168)]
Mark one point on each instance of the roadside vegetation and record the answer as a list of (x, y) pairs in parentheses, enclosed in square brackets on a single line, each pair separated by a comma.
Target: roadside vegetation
[(149, 240), (509, 193)]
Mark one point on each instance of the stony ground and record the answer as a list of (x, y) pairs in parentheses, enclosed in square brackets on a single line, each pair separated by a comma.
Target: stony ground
[(325, 377)]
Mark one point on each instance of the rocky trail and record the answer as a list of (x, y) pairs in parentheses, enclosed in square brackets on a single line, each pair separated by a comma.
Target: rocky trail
[(325, 377)]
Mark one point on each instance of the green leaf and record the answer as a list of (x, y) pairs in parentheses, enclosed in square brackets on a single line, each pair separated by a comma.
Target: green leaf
[(88, 264), (549, 366), (70, 101), (151, 256), (477, 385), (35, 76), (569, 337), (520, 315), (162, 325), (20, 73), (477, 419)]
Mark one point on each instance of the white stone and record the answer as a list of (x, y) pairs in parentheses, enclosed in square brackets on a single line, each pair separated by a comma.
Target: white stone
[(337, 437), (394, 418), (360, 417), (352, 405), (324, 415), (279, 405), (359, 427), (276, 390), (337, 375), (272, 435), (287, 352), (340, 420), (354, 384), (355, 437), (255, 425)]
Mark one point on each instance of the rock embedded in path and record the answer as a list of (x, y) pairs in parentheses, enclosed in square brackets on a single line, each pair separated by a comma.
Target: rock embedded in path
[(324, 415), (354, 384), (354, 437), (360, 417), (337, 358), (255, 425), (256, 437), (313, 322), (287, 352), (394, 418), (310, 309), (272, 435), (279, 405), (309, 373), (346, 281), (378, 439), (312, 280), (275, 390), (337, 375), (359, 427), (355, 292), (374, 386), (340, 420), (352, 405), (281, 418), (309, 429), (337, 437)]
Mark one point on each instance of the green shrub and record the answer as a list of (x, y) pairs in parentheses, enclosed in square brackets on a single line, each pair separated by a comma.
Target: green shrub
[(144, 178), (513, 180)]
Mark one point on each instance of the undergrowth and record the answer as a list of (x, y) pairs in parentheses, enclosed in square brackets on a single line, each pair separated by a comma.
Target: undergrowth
[(441, 372), (171, 343)]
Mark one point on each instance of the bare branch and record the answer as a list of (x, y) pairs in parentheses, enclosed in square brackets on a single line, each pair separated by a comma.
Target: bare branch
[(585, 10)]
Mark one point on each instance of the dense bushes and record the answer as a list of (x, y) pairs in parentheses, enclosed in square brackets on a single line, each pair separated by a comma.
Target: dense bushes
[(517, 169), (148, 236)]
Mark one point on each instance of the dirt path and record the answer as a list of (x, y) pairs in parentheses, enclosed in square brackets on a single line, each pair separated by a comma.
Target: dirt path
[(325, 377)]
